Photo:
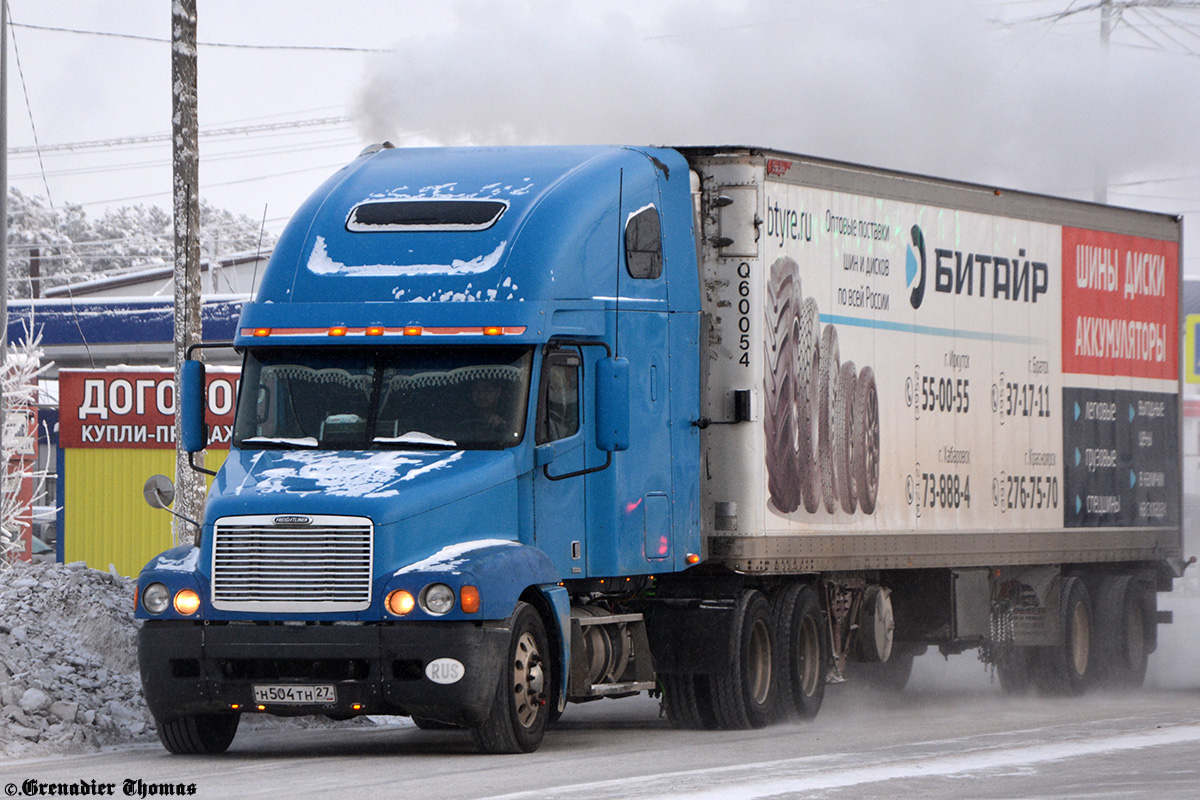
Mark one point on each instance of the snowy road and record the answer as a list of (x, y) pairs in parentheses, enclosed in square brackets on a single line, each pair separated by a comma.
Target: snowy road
[(931, 743), (951, 734)]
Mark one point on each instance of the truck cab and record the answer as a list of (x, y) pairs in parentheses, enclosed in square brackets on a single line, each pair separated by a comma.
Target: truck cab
[(468, 384)]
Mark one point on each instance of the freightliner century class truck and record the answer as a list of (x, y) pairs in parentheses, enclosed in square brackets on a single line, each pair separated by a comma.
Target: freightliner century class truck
[(518, 427)]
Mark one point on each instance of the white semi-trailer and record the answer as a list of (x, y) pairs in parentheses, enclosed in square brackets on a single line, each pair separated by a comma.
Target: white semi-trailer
[(524, 426)]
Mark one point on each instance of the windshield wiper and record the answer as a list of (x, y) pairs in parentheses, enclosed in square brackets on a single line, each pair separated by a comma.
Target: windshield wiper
[(280, 442), (416, 440)]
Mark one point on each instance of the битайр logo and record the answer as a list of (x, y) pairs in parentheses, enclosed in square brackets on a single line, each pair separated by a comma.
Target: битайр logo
[(911, 267)]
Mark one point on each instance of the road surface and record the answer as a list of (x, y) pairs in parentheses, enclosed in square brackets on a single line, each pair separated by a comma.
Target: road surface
[(952, 733)]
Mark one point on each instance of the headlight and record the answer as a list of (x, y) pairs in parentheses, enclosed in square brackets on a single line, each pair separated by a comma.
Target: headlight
[(437, 599), (156, 598)]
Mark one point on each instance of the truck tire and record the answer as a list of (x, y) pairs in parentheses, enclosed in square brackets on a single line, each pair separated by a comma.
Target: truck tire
[(843, 441), (1124, 611), (831, 364), (742, 694), (779, 424), (520, 708), (427, 724), (801, 651), (681, 700), (1062, 669), (866, 441), (808, 369), (198, 734)]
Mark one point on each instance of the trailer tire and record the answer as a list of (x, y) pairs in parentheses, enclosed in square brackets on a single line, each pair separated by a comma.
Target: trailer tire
[(891, 675), (198, 734), (801, 651), (843, 440), (808, 369), (876, 625), (1062, 669), (830, 358), (780, 419), (1016, 670), (1123, 613), (520, 707), (866, 441), (743, 692)]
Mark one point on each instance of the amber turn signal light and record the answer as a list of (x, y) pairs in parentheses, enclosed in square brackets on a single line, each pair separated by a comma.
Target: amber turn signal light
[(187, 602), (400, 602), (468, 599)]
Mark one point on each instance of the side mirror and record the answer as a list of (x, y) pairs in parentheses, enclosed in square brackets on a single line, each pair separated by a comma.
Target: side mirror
[(612, 404), (192, 403), (159, 491)]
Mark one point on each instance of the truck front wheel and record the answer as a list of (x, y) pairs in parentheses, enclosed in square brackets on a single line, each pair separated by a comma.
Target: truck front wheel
[(520, 708), (198, 734)]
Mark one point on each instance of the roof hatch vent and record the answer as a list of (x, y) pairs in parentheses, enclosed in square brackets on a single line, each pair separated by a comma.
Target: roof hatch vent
[(424, 215)]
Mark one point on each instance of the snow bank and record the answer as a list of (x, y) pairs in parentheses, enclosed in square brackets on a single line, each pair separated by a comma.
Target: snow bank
[(68, 661), (69, 678)]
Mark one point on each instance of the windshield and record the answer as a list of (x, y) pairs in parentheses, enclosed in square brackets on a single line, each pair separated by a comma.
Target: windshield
[(415, 397)]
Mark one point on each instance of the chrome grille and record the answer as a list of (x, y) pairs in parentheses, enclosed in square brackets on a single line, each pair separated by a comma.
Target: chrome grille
[(268, 563)]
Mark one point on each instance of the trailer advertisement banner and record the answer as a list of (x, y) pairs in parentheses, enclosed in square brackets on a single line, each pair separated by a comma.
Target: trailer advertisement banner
[(927, 369)]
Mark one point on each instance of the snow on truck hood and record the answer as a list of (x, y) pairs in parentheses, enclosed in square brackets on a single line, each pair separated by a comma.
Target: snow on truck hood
[(397, 484)]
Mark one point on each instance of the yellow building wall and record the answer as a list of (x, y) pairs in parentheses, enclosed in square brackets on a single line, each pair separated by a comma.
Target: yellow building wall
[(105, 517)]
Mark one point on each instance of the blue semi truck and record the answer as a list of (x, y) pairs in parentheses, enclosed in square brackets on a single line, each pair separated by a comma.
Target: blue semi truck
[(518, 427)]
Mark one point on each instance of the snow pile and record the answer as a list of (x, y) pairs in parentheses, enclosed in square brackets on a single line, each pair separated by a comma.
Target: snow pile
[(68, 661)]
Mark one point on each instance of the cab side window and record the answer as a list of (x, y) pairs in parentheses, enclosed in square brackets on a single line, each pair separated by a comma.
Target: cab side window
[(643, 244), (558, 396)]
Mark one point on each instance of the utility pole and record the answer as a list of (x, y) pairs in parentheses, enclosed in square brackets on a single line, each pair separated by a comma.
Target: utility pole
[(3, 220), (189, 493), (1100, 187)]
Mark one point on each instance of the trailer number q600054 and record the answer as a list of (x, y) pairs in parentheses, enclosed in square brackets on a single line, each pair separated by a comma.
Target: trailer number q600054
[(743, 307)]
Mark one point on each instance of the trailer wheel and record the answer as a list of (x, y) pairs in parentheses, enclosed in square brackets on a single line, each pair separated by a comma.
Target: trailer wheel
[(843, 441), (517, 721), (866, 441), (801, 650), (876, 625), (1063, 668), (742, 693), (891, 675), (779, 425), (808, 368), (1015, 670), (1123, 612), (830, 357), (198, 734)]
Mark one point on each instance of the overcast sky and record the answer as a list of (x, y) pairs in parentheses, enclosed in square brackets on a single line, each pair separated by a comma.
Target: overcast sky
[(995, 92)]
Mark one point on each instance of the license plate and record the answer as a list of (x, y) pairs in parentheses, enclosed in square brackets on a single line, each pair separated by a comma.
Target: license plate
[(295, 693)]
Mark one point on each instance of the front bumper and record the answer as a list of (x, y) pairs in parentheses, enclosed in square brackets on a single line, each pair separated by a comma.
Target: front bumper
[(208, 667)]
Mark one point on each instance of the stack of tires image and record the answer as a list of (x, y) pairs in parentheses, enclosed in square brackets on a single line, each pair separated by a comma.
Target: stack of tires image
[(822, 413)]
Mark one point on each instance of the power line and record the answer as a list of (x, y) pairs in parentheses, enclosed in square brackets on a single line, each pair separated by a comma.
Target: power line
[(136, 37), (98, 144)]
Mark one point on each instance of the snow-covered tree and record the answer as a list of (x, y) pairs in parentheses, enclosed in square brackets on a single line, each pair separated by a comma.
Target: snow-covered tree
[(22, 369), (69, 246)]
